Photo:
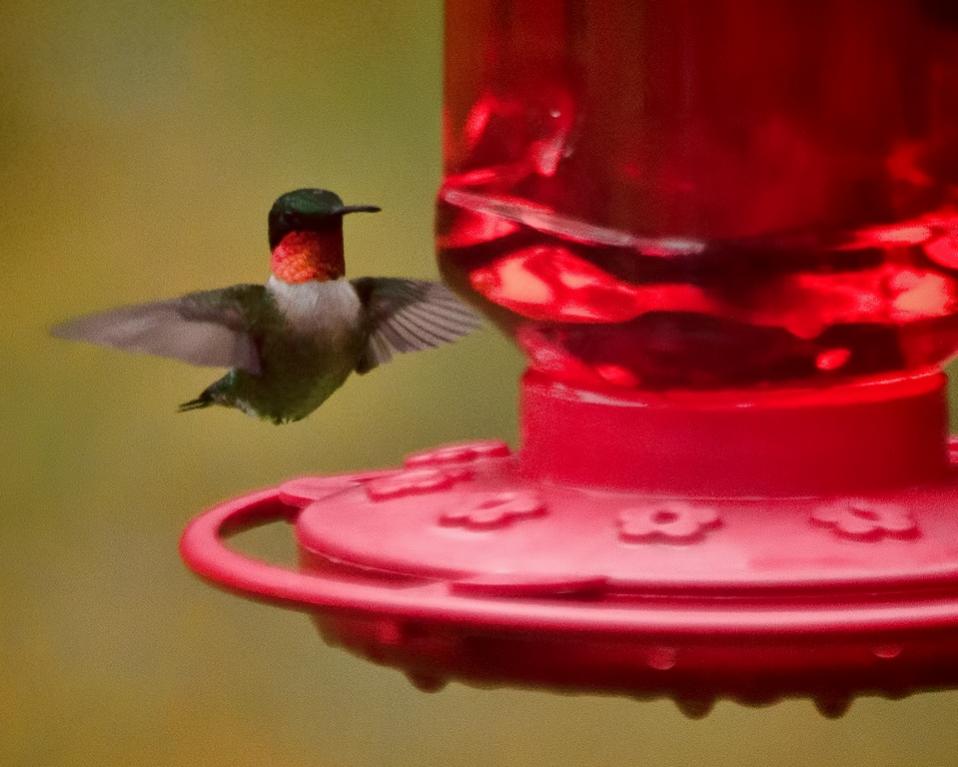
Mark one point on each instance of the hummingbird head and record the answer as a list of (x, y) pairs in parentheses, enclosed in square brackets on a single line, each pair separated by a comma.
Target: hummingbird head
[(306, 234)]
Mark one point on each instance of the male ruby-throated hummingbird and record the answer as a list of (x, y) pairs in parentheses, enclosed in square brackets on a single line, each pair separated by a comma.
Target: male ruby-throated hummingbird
[(292, 342)]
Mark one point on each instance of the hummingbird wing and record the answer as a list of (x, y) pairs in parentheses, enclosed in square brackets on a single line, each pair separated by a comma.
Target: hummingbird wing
[(210, 327), (409, 315)]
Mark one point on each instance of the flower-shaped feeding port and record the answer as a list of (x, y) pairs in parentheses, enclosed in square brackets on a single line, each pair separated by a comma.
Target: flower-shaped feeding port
[(460, 453), (496, 510), (415, 481), (670, 521), (303, 491), (866, 520)]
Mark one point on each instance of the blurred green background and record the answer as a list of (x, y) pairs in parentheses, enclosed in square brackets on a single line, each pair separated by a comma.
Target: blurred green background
[(140, 147)]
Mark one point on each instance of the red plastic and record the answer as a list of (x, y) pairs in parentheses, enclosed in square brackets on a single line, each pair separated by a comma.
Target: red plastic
[(726, 236), (753, 442)]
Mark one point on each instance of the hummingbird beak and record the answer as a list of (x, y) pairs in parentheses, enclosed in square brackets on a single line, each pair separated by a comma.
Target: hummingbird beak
[(358, 209)]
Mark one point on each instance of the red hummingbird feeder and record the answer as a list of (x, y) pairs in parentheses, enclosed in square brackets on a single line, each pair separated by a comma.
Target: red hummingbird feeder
[(726, 236)]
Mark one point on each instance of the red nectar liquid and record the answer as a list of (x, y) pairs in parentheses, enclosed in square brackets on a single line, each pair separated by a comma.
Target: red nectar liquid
[(706, 194)]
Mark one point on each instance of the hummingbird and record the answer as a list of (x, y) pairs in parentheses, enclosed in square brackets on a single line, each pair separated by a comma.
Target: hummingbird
[(288, 344)]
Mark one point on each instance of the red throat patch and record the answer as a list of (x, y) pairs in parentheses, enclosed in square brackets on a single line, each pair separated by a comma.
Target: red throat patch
[(303, 255)]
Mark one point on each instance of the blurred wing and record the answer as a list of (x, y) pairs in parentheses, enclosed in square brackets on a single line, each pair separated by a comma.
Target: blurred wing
[(409, 315), (210, 328)]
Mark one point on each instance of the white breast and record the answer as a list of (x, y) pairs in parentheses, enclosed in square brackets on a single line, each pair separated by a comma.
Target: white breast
[(328, 309)]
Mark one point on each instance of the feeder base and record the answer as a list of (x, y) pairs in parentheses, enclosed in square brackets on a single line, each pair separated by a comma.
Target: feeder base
[(461, 567)]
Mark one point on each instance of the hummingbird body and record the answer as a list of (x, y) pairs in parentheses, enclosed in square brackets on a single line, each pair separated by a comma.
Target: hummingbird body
[(292, 342), (312, 336)]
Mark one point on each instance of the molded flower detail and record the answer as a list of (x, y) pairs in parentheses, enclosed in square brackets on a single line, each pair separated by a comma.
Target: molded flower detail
[(866, 520), (671, 521), (415, 481), (496, 510), (306, 490), (464, 452)]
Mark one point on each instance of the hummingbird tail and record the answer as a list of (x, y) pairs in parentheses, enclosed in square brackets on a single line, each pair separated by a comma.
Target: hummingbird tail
[(204, 400)]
